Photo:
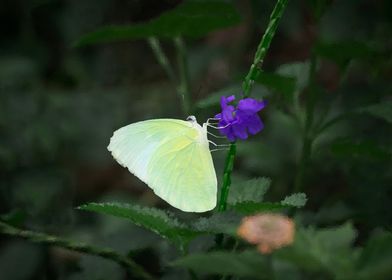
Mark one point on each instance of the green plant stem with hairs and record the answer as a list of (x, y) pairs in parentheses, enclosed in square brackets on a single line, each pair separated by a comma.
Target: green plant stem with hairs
[(227, 177), (255, 69), (247, 85), (41, 238)]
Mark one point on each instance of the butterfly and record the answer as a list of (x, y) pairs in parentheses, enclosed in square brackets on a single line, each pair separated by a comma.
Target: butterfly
[(172, 157)]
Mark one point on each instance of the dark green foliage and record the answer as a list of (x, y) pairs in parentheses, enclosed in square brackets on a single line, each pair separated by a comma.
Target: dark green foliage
[(153, 219), (277, 83), (382, 110), (343, 52), (251, 190), (248, 197), (295, 200), (225, 222), (245, 264), (328, 134), (327, 251), (375, 260), (192, 18)]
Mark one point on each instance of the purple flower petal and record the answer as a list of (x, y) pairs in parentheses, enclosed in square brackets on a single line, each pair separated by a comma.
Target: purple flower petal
[(236, 122), (228, 114), (255, 125), (225, 100), (239, 130), (250, 105)]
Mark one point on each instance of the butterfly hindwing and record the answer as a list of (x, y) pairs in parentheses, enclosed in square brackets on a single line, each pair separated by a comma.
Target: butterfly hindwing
[(166, 155)]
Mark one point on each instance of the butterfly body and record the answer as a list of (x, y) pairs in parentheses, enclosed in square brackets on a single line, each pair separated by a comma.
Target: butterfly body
[(172, 157)]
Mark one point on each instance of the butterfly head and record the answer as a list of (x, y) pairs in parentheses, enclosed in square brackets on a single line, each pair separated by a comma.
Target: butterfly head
[(191, 119)]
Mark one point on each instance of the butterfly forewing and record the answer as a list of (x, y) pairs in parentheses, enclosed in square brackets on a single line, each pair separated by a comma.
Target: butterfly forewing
[(167, 155)]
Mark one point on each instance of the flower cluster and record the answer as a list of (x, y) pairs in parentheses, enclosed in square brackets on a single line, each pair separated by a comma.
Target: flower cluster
[(236, 122), (268, 231)]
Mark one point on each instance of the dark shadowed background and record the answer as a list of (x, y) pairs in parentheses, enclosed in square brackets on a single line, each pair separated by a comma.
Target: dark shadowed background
[(60, 103)]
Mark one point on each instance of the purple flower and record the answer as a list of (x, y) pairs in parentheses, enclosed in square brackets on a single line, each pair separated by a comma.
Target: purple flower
[(236, 123)]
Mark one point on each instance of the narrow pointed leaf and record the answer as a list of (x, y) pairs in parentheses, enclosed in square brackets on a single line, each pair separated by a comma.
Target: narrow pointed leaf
[(158, 221), (192, 18)]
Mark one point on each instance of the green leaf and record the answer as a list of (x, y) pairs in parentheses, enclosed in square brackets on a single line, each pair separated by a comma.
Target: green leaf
[(246, 198), (354, 149), (375, 261), (323, 250), (192, 18), (16, 217), (245, 264), (381, 110), (295, 200), (343, 52), (156, 220), (251, 190), (251, 207), (278, 83), (225, 222), (298, 71)]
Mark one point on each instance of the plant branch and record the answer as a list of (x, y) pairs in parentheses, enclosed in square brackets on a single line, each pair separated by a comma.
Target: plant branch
[(155, 45), (247, 84), (109, 254), (183, 88), (255, 68), (226, 185), (307, 136), (227, 177)]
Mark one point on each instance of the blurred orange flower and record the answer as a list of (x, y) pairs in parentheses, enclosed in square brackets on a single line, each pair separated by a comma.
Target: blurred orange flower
[(268, 231)]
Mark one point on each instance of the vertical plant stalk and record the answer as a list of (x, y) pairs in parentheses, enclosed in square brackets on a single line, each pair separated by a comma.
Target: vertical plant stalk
[(183, 88), (307, 138), (255, 68), (227, 178), (226, 186), (41, 238), (160, 55)]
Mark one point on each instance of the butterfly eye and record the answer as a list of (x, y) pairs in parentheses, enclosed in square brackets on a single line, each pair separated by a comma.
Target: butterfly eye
[(191, 119)]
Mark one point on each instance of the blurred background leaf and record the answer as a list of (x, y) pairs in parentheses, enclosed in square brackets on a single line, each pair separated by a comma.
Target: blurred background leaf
[(60, 105), (245, 264), (192, 18)]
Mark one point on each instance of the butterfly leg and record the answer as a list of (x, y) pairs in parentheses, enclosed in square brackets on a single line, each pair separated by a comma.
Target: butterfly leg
[(222, 149), (218, 145), (216, 136), (217, 127)]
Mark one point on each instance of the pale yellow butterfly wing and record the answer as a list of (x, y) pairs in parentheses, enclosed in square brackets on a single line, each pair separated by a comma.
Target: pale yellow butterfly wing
[(172, 157)]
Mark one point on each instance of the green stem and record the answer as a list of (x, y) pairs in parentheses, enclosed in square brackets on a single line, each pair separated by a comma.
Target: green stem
[(307, 135), (226, 186), (254, 71), (42, 238), (321, 128), (162, 58), (183, 88), (255, 68), (227, 177)]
